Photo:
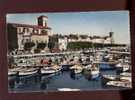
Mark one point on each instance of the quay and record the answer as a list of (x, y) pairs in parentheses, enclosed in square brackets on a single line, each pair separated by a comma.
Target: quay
[(66, 53)]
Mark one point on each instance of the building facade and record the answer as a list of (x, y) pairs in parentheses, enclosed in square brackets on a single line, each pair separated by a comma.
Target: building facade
[(23, 33), (20, 34), (65, 39)]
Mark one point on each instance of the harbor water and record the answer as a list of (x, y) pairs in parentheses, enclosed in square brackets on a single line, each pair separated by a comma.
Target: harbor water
[(57, 81)]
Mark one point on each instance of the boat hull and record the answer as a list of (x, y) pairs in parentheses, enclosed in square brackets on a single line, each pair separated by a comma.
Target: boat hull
[(66, 67), (47, 72), (22, 74), (12, 73)]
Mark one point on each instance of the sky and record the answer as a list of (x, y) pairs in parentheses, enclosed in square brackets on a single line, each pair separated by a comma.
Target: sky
[(92, 23)]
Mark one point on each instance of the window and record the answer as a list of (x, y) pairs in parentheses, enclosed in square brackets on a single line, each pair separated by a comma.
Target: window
[(44, 32), (35, 31)]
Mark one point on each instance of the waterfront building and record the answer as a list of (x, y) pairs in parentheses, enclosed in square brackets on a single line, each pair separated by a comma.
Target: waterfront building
[(65, 39), (19, 34), (63, 42)]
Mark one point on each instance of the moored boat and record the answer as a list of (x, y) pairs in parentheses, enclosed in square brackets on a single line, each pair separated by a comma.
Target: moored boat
[(124, 84), (27, 71), (12, 73), (121, 67), (126, 74), (92, 71), (95, 72), (107, 78), (50, 70), (65, 65), (77, 68)]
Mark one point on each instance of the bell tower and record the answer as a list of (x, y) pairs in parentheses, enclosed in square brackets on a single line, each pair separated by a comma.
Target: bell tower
[(42, 21), (111, 37)]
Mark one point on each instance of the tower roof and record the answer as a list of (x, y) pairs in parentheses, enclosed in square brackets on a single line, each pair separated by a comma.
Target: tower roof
[(42, 16)]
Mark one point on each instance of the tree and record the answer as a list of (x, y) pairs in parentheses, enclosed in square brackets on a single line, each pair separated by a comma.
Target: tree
[(51, 45), (41, 45), (36, 51), (79, 45), (29, 45)]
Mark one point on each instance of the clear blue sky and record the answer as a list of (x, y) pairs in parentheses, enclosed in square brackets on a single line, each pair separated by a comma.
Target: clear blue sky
[(92, 23)]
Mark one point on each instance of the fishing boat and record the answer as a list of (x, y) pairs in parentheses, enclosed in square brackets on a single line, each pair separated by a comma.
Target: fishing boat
[(87, 66), (92, 71), (66, 65), (126, 67), (128, 74), (126, 78), (27, 71), (107, 78), (121, 67), (77, 68), (14, 71), (50, 70), (95, 73), (56, 67), (106, 57)]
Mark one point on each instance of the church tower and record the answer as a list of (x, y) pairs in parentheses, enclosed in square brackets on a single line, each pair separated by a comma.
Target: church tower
[(111, 35), (42, 21)]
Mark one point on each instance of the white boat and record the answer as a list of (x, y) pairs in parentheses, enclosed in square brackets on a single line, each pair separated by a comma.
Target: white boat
[(68, 89), (126, 67), (50, 70), (77, 68), (87, 66), (92, 70), (107, 78), (110, 77), (125, 84), (126, 79), (27, 71), (94, 74), (119, 65), (12, 73), (128, 74), (123, 67), (56, 67)]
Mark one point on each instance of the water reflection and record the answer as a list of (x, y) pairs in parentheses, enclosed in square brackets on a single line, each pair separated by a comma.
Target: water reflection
[(63, 79)]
